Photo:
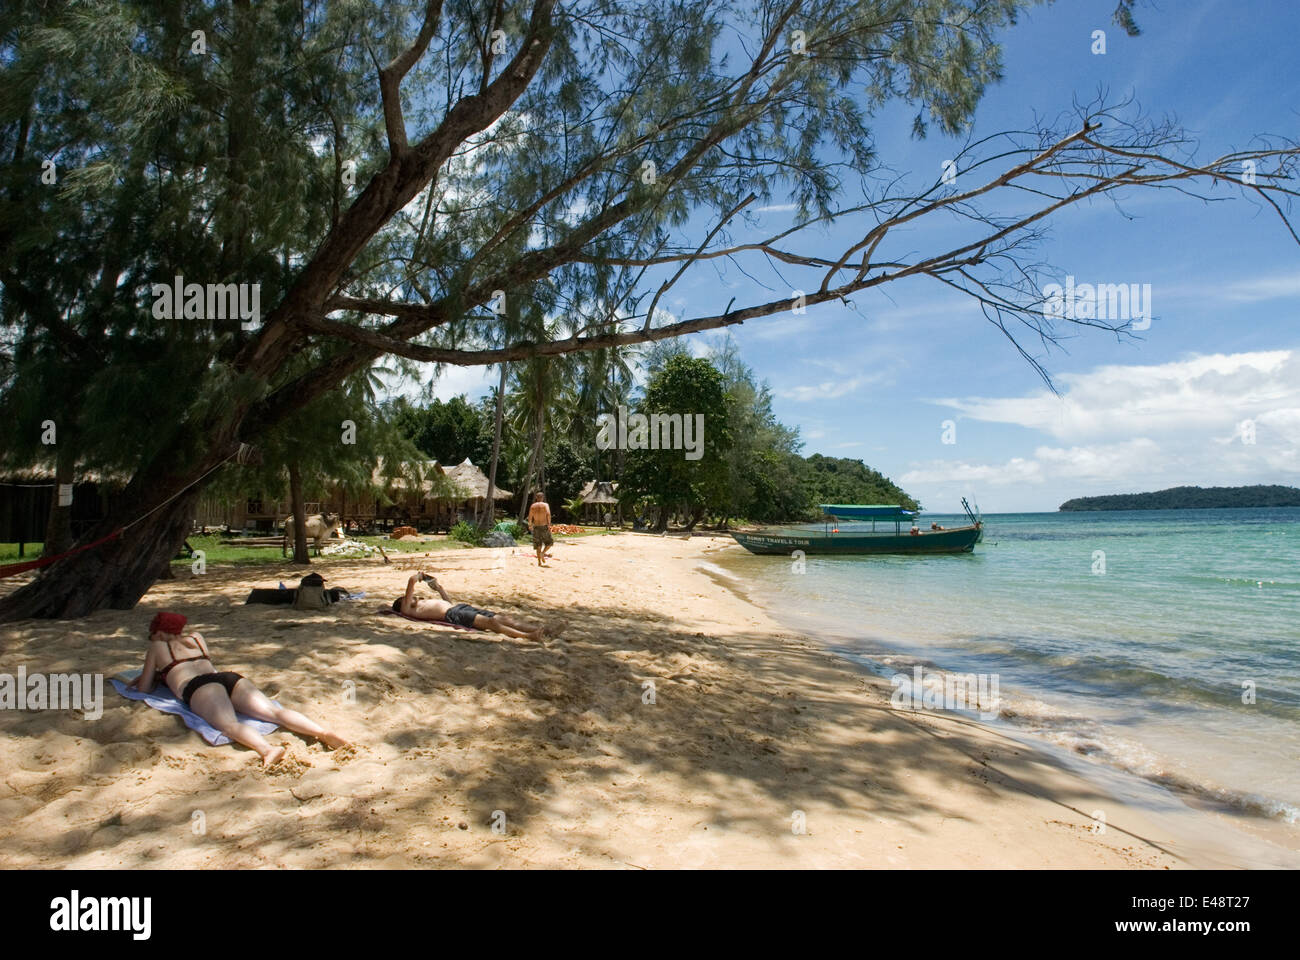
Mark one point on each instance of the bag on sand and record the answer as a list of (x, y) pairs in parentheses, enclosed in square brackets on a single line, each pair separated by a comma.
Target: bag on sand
[(311, 594)]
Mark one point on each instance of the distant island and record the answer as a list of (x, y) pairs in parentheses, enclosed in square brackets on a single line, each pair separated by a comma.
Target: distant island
[(1191, 498)]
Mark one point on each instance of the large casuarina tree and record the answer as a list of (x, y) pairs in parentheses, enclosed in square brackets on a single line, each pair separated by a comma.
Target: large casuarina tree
[(394, 177)]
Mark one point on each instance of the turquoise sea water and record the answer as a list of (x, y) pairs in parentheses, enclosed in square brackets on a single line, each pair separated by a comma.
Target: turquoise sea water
[(1142, 666)]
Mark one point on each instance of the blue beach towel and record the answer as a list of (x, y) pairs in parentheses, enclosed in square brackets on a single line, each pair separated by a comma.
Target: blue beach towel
[(163, 699)]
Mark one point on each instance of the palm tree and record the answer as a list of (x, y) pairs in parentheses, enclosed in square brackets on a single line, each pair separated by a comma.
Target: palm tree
[(496, 450), (534, 403)]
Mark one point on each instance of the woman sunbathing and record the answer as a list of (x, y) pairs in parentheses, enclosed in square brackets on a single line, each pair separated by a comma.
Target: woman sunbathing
[(184, 665)]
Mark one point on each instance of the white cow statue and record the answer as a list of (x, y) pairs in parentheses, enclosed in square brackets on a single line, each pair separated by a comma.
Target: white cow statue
[(319, 528)]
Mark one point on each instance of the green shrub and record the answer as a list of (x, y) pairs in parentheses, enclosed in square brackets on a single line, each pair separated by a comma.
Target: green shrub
[(466, 533), (514, 528)]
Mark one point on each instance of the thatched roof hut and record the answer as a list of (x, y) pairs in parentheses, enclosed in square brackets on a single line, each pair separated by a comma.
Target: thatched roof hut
[(27, 494), (423, 479), (42, 474), (474, 481), (598, 493)]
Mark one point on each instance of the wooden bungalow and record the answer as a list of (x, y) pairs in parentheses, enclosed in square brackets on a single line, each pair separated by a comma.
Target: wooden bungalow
[(26, 497), (404, 495), (249, 514), (418, 493), (392, 498)]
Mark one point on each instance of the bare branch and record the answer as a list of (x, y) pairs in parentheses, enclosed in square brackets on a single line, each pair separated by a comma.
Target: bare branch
[(685, 266), (390, 79)]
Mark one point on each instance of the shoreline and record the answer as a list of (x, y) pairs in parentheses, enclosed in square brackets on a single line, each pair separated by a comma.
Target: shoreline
[(1224, 833), (675, 724)]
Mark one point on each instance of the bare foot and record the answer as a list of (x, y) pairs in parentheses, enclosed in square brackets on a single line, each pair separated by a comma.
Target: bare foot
[(274, 757), (332, 740)]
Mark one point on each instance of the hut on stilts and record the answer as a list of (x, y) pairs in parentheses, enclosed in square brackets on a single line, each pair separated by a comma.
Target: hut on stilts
[(472, 506), (599, 503)]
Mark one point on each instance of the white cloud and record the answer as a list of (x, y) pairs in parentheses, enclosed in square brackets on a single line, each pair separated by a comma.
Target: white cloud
[(474, 382), (1256, 289), (1202, 393), (1017, 470), (788, 328), (1103, 462), (1135, 428), (826, 390)]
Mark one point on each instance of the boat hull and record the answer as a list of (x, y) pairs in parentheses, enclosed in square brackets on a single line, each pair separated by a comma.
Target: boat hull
[(958, 540)]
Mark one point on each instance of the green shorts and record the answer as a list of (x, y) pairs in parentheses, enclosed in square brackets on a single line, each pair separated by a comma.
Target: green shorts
[(542, 535)]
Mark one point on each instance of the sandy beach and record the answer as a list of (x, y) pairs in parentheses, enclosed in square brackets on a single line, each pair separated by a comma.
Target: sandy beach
[(673, 724)]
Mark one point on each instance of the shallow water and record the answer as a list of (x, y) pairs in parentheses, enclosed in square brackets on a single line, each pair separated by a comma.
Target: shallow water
[(1136, 638)]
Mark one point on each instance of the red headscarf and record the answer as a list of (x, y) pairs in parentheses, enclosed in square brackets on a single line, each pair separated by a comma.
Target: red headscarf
[(168, 623)]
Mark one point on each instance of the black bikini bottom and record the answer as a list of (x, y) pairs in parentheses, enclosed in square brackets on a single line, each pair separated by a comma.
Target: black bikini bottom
[(227, 680)]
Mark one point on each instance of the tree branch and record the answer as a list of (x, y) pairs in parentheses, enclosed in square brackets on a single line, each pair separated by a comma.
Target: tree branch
[(390, 79)]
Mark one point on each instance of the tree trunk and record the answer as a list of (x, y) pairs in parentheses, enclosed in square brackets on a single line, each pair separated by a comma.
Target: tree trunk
[(115, 574), (541, 442), (525, 500), (299, 508), (534, 470), (496, 449), (58, 529)]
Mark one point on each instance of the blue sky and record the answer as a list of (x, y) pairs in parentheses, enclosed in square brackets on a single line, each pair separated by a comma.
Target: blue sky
[(877, 382)]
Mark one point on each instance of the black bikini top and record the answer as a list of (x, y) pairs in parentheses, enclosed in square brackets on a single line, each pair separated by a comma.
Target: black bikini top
[(162, 674)]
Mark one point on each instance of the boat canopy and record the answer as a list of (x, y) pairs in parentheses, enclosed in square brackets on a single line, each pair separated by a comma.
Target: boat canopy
[(867, 511)]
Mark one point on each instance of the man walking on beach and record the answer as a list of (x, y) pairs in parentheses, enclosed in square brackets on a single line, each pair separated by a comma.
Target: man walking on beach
[(539, 522)]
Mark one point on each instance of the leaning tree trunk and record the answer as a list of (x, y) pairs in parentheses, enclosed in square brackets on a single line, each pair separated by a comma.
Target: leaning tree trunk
[(299, 507), (496, 450), (154, 515), (58, 529), (114, 574)]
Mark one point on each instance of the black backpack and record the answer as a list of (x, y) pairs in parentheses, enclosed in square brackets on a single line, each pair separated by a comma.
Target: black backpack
[(311, 594)]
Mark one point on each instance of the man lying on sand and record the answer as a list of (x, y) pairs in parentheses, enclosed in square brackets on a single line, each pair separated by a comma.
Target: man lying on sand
[(184, 665), (459, 614)]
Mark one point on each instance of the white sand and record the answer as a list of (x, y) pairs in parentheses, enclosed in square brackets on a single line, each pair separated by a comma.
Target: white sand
[(752, 730)]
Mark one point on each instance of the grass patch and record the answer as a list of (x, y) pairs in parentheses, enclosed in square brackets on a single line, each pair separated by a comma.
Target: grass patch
[(9, 552), (217, 552), (214, 551)]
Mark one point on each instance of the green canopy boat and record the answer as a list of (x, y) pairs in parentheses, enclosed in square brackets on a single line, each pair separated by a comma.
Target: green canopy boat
[(855, 537)]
